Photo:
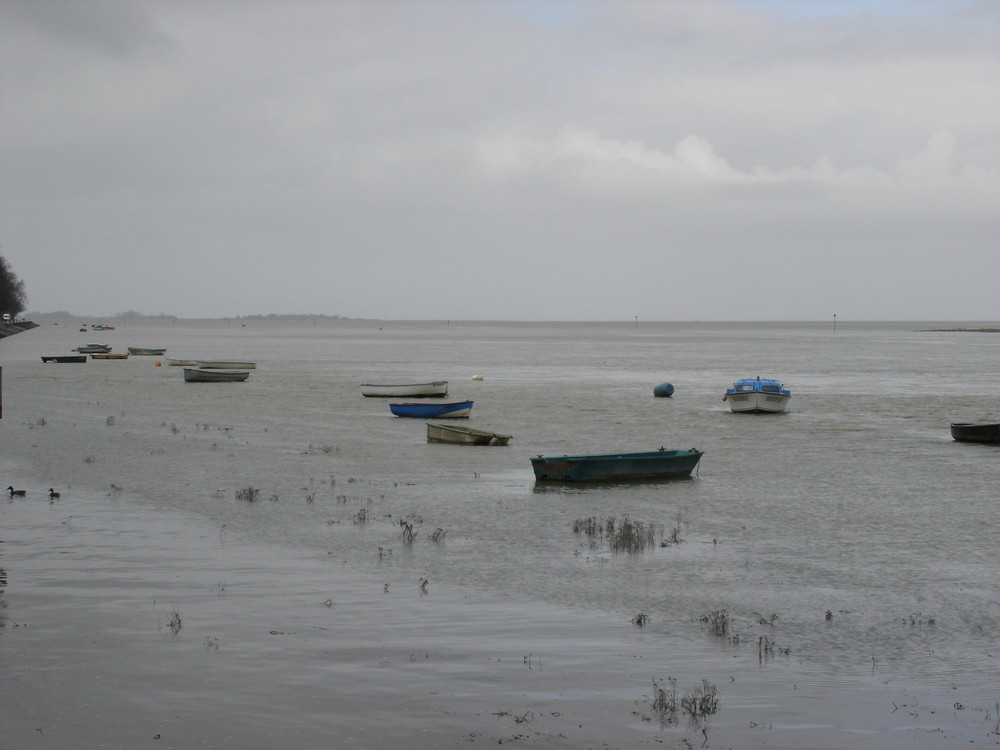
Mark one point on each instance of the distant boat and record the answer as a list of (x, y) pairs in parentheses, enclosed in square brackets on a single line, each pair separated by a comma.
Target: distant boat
[(66, 358), (93, 348), (225, 364), (109, 355), (976, 433), (436, 389), (140, 351), (463, 435), (213, 376), (455, 410), (180, 362), (757, 396), (661, 464)]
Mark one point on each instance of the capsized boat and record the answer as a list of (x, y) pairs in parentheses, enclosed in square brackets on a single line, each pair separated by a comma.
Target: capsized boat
[(602, 467), (192, 375), (757, 396), (464, 435), (454, 410), (435, 389), (966, 432)]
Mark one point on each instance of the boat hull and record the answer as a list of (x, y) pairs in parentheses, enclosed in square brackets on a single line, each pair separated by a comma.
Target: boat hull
[(965, 432), (180, 362), (456, 410), (757, 396), (140, 352), (65, 359), (108, 355), (225, 364), (213, 376), (650, 465), (436, 389), (757, 403), (462, 435)]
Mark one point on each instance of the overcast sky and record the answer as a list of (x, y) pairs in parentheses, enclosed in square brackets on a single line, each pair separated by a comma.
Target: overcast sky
[(464, 159)]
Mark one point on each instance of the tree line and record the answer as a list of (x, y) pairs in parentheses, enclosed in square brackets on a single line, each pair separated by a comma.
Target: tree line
[(13, 298)]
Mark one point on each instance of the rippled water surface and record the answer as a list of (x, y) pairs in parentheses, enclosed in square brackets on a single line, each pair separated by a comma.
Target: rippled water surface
[(850, 542)]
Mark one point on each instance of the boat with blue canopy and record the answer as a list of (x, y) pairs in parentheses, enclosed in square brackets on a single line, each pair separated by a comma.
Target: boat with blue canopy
[(757, 396)]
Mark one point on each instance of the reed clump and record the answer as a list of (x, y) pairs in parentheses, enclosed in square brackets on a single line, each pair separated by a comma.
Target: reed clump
[(718, 622), (622, 534), (249, 493), (406, 531), (701, 702), (664, 703), (175, 622)]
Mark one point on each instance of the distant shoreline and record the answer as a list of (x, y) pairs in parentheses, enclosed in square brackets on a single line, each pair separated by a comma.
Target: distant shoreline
[(961, 330)]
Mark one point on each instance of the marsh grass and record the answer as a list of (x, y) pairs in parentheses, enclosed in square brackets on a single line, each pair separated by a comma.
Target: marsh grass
[(701, 702), (718, 622), (406, 530), (249, 493), (621, 534), (665, 700), (174, 623)]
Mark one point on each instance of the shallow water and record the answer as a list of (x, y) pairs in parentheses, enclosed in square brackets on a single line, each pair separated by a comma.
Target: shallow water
[(851, 535)]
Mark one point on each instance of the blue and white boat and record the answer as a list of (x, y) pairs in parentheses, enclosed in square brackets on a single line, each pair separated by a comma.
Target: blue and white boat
[(454, 410), (757, 396)]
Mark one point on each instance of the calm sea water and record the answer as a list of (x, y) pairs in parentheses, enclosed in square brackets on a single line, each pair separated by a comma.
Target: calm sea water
[(851, 537)]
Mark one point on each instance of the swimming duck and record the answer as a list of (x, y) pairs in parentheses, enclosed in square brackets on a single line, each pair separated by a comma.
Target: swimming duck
[(53, 493), (18, 493)]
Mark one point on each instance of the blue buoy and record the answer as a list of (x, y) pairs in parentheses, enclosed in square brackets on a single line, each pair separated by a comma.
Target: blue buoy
[(664, 390)]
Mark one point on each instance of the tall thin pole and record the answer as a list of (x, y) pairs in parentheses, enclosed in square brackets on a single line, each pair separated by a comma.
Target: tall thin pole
[(835, 324)]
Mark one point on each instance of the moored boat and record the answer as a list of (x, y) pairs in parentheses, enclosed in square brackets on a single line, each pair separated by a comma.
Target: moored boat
[(463, 435), (225, 364), (93, 348), (757, 396), (180, 362), (192, 375), (143, 352), (66, 358), (454, 410), (109, 355), (435, 389), (966, 432), (603, 467)]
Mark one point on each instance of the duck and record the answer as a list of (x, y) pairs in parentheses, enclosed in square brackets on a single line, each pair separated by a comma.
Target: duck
[(18, 493), (53, 493)]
